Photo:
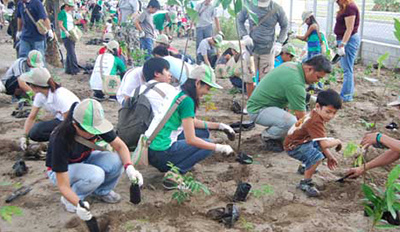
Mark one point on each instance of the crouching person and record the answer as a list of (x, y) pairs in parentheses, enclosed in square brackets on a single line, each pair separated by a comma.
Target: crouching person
[(307, 142), (186, 149), (78, 168)]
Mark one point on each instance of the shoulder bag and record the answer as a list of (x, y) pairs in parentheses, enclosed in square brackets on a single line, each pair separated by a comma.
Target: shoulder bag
[(111, 83)]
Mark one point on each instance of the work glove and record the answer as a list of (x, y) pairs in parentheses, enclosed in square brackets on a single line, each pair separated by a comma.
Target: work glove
[(67, 33), (277, 48), (224, 149), (142, 34), (134, 175), (23, 143), (83, 212), (50, 34), (223, 126), (292, 36), (18, 35), (2, 87), (341, 51), (248, 41)]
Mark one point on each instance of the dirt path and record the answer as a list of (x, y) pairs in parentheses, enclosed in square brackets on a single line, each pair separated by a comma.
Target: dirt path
[(286, 209)]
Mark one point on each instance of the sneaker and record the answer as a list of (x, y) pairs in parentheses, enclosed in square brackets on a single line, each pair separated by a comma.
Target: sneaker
[(308, 187), (113, 98), (112, 197), (100, 99), (68, 205), (273, 145)]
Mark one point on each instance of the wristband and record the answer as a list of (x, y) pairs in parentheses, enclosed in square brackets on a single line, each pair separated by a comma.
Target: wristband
[(127, 164), (378, 138)]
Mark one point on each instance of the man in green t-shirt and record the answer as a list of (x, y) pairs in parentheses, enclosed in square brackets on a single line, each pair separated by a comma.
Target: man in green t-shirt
[(283, 88)]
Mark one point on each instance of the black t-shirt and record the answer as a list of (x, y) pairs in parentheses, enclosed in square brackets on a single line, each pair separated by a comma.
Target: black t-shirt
[(96, 9), (59, 156)]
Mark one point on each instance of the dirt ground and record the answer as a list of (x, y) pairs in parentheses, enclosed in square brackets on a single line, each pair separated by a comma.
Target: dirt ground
[(286, 209)]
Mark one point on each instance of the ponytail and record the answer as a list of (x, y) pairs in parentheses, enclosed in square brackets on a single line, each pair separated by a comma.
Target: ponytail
[(66, 129)]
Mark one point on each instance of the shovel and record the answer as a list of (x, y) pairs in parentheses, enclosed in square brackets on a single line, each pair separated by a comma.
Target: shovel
[(92, 223)]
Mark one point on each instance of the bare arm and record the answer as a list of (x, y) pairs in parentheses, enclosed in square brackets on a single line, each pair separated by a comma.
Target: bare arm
[(305, 36), (326, 144), (217, 24), (19, 24), (137, 24), (201, 124), (47, 23), (190, 136), (65, 187), (349, 28), (61, 26), (299, 114), (31, 119), (206, 61), (122, 150)]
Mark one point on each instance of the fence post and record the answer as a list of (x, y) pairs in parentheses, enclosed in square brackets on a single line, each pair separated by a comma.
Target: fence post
[(315, 8), (362, 19), (329, 18)]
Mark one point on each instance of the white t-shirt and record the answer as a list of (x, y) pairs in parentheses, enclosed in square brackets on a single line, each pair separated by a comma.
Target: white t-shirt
[(96, 82), (70, 22), (156, 100), (132, 79), (56, 103)]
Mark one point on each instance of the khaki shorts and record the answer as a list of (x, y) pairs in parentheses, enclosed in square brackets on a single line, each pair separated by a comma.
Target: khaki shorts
[(264, 63)]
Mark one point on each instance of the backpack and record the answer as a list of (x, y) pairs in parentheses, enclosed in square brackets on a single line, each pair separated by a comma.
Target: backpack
[(135, 116)]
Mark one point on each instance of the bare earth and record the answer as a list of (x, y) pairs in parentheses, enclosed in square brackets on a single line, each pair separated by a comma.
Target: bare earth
[(286, 209)]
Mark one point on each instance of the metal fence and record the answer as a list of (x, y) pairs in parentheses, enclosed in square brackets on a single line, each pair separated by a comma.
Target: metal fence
[(376, 26)]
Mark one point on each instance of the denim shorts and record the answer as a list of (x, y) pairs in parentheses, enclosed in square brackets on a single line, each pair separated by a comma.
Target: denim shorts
[(308, 153)]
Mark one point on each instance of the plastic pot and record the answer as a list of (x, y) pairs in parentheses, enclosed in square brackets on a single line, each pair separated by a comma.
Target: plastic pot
[(135, 194), (242, 191)]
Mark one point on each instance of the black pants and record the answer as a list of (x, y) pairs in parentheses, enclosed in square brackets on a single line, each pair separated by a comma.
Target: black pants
[(40, 132), (71, 63), (212, 58)]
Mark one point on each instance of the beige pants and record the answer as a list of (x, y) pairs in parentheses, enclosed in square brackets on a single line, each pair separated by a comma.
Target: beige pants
[(264, 63)]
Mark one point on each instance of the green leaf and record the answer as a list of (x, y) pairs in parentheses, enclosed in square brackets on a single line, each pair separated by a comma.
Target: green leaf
[(369, 211), (231, 12), (238, 6), (217, 3), (350, 150), (193, 15), (370, 195), (253, 17), (386, 226), (174, 3), (225, 4), (6, 212), (382, 58), (397, 29), (393, 176)]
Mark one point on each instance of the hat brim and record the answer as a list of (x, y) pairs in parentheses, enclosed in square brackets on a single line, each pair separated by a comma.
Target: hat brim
[(262, 4), (213, 85), (395, 103), (103, 128)]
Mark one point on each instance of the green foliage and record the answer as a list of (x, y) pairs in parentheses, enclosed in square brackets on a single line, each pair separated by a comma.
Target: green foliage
[(228, 28), (264, 191), (247, 226), (380, 61), (359, 161), (138, 56), (28, 98), (235, 6), (368, 70), (350, 150), (6, 212), (380, 201), (397, 29), (367, 125), (190, 186), (332, 77)]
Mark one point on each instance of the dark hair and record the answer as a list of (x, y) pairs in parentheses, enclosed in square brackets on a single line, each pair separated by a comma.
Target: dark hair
[(312, 20), (114, 52), (160, 50), (320, 63), (189, 88), (66, 129), (154, 4), (53, 85), (154, 65), (228, 52), (329, 97)]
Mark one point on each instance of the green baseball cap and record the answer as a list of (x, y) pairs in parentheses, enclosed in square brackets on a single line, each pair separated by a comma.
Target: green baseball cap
[(205, 74), (35, 59), (37, 76), (289, 48), (218, 40), (90, 116)]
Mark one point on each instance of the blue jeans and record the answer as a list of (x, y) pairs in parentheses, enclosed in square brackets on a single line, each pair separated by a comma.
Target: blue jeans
[(278, 120), (202, 33), (347, 63), (181, 154), (308, 153), (147, 45), (26, 46), (98, 174)]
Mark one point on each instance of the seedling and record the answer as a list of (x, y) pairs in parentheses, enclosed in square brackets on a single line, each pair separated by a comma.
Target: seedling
[(6, 212), (248, 226), (367, 125), (351, 149), (377, 202), (189, 186), (264, 191), (209, 103), (380, 61)]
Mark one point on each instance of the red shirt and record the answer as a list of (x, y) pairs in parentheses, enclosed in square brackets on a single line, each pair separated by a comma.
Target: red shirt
[(340, 26), (104, 49)]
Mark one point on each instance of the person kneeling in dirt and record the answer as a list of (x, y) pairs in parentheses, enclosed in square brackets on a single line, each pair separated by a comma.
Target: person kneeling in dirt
[(280, 88), (207, 51), (307, 142), (288, 54), (79, 167), (52, 97), (380, 140), (14, 86), (186, 149), (106, 64)]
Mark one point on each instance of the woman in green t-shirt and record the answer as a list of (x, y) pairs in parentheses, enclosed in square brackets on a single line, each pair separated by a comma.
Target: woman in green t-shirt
[(186, 149), (66, 24)]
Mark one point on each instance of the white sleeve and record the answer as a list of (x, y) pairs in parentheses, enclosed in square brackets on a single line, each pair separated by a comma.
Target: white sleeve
[(39, 100), (64, 99)]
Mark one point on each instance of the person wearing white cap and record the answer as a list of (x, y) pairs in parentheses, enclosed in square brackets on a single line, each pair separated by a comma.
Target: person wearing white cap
[(106, 64), (13, 85), (380, 140), (81, 168), (50, 96), (186, 149), (263, 33), (66, 24), (208, 50)]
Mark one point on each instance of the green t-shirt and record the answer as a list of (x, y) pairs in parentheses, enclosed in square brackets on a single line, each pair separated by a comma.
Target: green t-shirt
[(159, 20), (118, 66), (281, 87), (62, 16), (169, 133)]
